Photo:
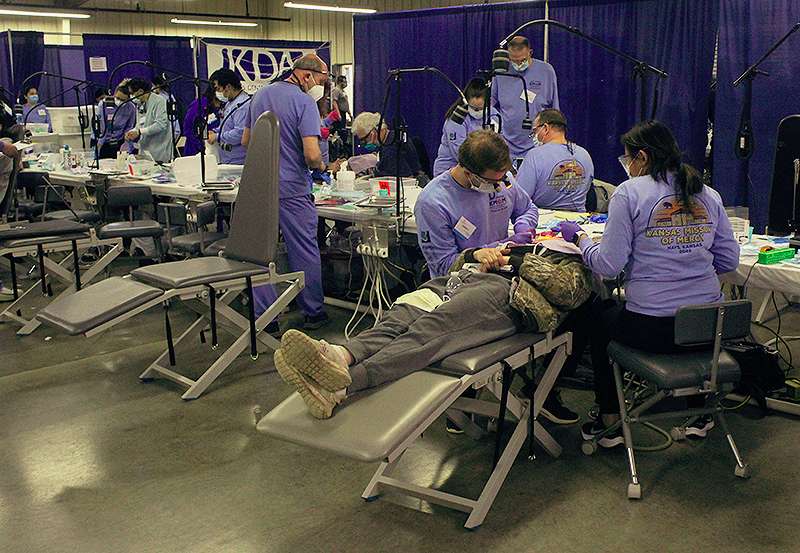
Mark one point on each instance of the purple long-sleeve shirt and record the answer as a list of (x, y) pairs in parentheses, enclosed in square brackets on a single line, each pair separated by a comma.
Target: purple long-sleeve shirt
[(671, 255), (451, 219), (115, 122), (508, 100), (193, 144)]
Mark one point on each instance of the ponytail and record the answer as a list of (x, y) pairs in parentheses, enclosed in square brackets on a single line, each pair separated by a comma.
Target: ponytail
[(657, 140)]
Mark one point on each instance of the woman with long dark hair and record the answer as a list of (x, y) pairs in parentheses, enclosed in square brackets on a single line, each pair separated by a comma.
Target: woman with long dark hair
[(671, 236)]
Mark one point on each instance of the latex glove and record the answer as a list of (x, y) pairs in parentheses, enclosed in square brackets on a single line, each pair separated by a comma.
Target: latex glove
[(324, 133), (570, 230), (524, 237)]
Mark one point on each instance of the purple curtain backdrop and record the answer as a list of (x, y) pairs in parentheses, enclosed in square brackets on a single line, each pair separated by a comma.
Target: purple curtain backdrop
[(747, 29), (28, 57), (173, 53), (63, 60), (595, 88), (457, 40), (597, 93)]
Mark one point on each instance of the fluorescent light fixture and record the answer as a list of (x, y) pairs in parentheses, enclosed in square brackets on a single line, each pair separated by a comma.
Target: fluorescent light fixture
[(218, 23), (327, 8), (30, 13)]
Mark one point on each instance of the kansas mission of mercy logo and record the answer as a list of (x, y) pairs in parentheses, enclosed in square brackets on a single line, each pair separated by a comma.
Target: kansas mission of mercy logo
[(677, 226)]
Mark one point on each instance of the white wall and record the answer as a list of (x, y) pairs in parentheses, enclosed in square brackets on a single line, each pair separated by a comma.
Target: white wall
[(305, 25)]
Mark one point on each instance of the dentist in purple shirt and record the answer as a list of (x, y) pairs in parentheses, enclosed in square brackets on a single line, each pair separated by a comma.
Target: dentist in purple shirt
[(468, 208), (671, 236), (33, 113), (294, 102)]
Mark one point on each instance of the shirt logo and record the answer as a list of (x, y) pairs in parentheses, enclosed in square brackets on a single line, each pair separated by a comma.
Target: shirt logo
[(498, 202), (534, 83), (567, 175), (677, 226), (451, 136), (424, 236)]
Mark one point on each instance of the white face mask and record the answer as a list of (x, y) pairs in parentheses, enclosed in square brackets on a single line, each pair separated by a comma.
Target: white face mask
[(221, 97), (316, 92), (475, 113), (521, 66), (536, 141), (137, 102), (482, 185), (117, 102)]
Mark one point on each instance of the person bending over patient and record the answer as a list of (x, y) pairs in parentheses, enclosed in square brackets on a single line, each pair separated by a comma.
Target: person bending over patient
[(672, 237)]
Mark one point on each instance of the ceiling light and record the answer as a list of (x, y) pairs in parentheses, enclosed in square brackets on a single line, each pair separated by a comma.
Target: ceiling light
[(217, 23), (327, 8), (29, 13)]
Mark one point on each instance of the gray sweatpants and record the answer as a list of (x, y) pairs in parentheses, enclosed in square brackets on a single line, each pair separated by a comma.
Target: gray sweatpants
[(410, 339)]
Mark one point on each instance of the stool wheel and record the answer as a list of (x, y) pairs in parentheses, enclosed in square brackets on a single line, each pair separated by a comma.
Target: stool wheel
[(678, 433), (589, 447), (743, 471), (634, 491)]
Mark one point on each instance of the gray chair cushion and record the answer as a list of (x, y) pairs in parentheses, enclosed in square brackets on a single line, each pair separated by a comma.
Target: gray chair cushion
[(200, 270), (476, 359), (364, 428), (84, 215), (674, 370), (97, 304), (133, 229), (23, 242), (42, 228), (217, 247), (190, 243)]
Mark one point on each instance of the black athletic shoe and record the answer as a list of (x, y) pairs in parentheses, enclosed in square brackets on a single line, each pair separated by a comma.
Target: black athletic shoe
[(556, 412), (313, 322), (590, 431), (700, 427)]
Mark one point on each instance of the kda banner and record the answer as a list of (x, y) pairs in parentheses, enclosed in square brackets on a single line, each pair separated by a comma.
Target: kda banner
[(255, 66)]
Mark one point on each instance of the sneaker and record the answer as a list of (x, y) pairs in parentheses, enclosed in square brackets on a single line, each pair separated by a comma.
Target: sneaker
[(320, 402), (700, 427), (316, 359), (555, 411), (591, 431), (452, 428), (313, 322), (6, 294)]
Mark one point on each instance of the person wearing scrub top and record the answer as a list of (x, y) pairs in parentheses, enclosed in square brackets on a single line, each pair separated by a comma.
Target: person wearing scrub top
[(454, 134), (32, 113), (228, 88), (153, 131), (294, 102), (509, 99), (207, 106)]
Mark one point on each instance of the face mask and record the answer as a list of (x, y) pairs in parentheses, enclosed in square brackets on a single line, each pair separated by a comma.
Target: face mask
[(137, 102), (626, 166), (221, 97), (482, 185), (316, 92), (33, 99), (521, 66), (536, 141), (117, 102), (476, 113)]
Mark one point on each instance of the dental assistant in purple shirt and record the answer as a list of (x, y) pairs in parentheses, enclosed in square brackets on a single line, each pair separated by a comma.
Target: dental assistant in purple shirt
[(294, 102), (671, 236)]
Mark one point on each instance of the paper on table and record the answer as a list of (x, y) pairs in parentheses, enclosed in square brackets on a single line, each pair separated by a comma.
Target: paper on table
[(560, 245)]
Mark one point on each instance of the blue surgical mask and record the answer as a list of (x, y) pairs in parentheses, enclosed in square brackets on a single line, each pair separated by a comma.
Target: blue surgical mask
[(521, 66), (33, 99)]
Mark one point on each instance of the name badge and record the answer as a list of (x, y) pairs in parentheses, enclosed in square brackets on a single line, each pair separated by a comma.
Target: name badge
[(42, 112), (464, 228), (531, 96)]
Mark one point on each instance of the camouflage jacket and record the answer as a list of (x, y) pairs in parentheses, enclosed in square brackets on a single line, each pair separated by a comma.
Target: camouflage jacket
[(549, 285)]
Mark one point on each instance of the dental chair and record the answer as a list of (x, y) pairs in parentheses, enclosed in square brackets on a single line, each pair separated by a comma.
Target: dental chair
[(382, 426), (207, 285)]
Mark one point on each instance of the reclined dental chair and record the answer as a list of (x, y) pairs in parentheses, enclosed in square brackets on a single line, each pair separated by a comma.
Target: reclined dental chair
[(206, 285), (382, 426)]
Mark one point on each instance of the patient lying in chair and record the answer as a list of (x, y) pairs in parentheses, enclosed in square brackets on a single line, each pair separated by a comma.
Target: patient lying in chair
[(446, 315)]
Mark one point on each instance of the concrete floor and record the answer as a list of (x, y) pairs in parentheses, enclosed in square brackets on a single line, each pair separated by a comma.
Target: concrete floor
[(92, 460)]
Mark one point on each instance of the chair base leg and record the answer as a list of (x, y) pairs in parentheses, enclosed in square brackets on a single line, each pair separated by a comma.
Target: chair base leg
[(742, 469)]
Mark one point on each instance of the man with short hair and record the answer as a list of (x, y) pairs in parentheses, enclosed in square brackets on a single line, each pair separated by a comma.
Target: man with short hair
[(339, 97), (228, 88), (557, 174), (468, 208), (509, 98), (294, 102), (153, 131)]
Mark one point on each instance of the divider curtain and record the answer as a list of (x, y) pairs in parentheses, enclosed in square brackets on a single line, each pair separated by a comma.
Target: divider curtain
[(24, 57), (68, 61), (747, 30)]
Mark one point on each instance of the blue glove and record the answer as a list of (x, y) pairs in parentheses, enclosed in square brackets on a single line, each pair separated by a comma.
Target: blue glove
[(524, 237), (570, 230)]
